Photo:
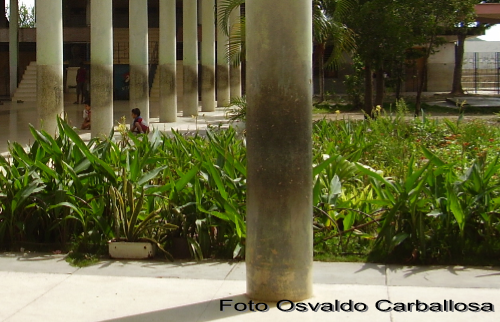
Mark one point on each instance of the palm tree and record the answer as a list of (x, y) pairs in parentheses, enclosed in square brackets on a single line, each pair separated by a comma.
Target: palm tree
[(328, 28), (235, 32)]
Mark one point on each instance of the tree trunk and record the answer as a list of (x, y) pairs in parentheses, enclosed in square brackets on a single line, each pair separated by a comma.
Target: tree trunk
[(420, 87), (421, 81), (379, 87), (399, 79), (459, 59), (368, 91), (321, 70)]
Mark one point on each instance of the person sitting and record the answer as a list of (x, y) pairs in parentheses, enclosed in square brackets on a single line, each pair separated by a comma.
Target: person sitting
[(138, 124), (86, 116)]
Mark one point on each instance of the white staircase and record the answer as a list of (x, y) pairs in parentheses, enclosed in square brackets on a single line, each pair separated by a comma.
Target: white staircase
[(154, 95), (26, 91)]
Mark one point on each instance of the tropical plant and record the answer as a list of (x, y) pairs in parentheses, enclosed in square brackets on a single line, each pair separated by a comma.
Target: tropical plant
[(400, 189), (132, 221), (237, 110), (328, 28)]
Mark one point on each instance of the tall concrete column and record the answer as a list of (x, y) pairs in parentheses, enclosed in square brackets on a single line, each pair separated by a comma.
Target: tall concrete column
[(223, 90), (138, 56), (13, 44), (190, 58), (49, 57), (101, 58), (168, 62), (208, 56), (279, 249), (235, 70)]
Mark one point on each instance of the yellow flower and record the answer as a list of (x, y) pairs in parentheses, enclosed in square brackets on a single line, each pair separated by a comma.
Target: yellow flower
[(378, 108), (337, 111)]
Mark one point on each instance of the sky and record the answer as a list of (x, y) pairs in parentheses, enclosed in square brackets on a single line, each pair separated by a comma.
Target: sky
[(492, 34), (28, 3)]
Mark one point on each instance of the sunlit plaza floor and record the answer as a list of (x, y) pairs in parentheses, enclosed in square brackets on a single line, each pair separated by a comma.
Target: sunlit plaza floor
[(37, 287), (17, 117)]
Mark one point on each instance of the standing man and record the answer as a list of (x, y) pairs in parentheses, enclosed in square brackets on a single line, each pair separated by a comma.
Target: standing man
[(81, 84)]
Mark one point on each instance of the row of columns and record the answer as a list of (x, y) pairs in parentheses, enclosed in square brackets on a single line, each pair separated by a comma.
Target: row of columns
[(49, 60), (279, 145)]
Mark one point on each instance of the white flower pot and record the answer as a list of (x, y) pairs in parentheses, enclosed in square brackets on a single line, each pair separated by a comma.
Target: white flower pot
[(131, 250)]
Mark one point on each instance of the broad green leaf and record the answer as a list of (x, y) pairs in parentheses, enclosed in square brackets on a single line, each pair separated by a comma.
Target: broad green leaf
[(432, 157), (216, 176), (46, 169), (456, 209), (150, 175)]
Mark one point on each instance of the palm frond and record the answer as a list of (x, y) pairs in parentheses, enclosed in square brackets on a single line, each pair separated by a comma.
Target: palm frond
[(236, 43), (224, 10)]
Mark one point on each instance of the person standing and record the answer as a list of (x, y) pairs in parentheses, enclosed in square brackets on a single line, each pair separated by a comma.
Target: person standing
[(81, 84)]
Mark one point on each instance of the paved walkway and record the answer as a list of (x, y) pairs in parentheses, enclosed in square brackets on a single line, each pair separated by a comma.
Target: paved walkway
[(46, 288), (16, 118)]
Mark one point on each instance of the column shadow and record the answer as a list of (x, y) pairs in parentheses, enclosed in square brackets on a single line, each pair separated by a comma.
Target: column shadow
[(201, 312)]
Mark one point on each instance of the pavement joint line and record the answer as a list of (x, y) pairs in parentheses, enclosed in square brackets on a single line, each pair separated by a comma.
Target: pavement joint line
[(38, 297), (387, 288), (230, 271), (212, 298)]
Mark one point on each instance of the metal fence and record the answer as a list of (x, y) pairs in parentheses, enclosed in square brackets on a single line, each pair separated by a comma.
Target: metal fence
[(481, 73)]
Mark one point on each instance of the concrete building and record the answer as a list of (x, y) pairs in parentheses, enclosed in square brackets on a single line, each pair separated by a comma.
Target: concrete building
[(441, 64), (113, 35), (141, 45)]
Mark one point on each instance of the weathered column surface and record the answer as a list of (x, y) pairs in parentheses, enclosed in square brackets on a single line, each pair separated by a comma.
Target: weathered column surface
[(222, 65), (168, 62), (13, 44), (208, 56), (190, 59), (279, 240), (235, 70), (101, 56), (138, 56), (49, 56)]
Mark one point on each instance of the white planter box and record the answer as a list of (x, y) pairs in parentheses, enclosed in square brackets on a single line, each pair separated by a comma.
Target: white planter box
[(135, 250)]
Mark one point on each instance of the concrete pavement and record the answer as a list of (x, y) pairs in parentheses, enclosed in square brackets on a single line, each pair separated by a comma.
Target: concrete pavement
[(38, 287)]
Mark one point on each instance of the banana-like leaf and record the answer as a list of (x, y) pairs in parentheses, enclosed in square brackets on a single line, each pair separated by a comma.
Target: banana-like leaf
[(47, 170), (150, 175), (217, 179), (90, 156)]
